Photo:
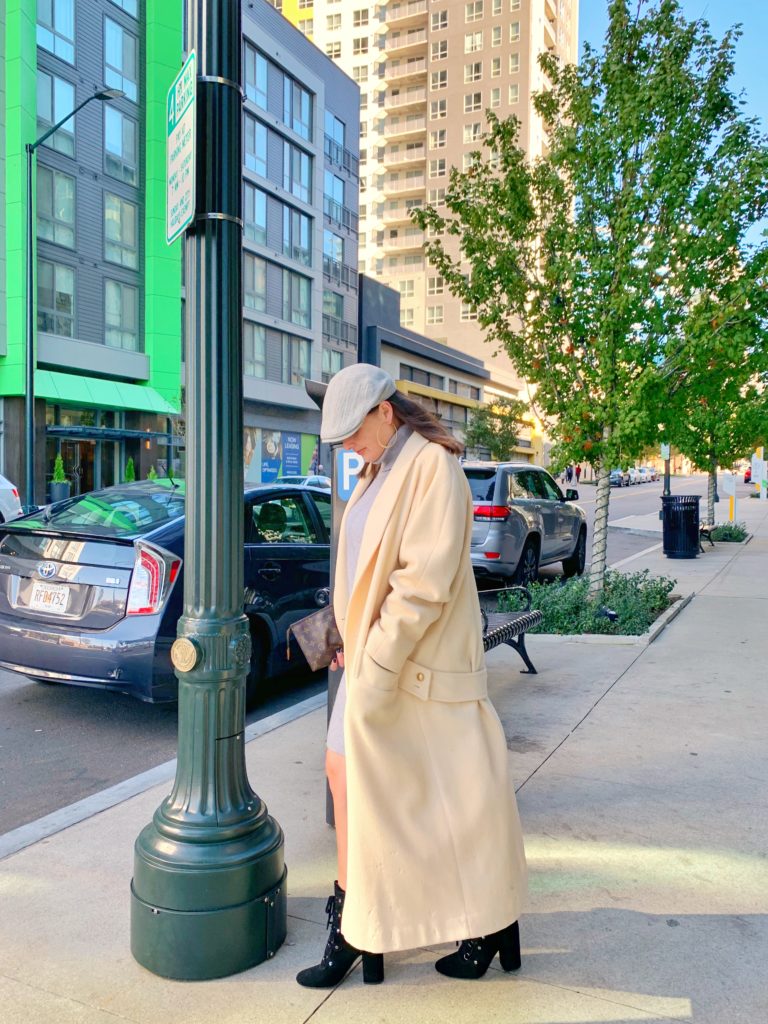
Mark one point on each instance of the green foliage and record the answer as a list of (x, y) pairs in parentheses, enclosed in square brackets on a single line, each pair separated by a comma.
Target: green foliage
[(729, 532), (496, 426), (152, 474), (637, 598), (130, 472), (59, 476)]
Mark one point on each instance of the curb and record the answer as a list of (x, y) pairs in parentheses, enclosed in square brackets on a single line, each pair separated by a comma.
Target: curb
[(613, 640)]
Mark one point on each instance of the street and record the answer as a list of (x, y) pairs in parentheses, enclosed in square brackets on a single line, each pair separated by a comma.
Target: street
[(59, 744)]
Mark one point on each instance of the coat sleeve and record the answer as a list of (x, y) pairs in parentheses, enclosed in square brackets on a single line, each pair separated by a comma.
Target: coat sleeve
[(431, 551)]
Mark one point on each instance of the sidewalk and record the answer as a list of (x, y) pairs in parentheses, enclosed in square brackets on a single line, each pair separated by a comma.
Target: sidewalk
[(642, 775)]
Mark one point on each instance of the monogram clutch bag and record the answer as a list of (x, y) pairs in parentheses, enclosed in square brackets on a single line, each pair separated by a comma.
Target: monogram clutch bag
[(318, 637)]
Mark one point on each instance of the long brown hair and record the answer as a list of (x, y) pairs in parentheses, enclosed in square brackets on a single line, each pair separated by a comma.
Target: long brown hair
[(411, 414)]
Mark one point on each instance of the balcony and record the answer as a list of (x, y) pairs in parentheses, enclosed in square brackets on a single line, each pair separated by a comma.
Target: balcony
[(407, 155), (407, 14), (340, 156), (413, 97), (401, 214), (340, 214), (398, 128), (415, 183), (416, 67), (339, 273), (405, 42), (338, 330), (550, 11), (405, 242)]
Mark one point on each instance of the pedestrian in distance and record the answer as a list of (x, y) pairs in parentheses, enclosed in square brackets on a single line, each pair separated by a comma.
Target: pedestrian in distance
[(428, 837), (568, 473), (578, 473)]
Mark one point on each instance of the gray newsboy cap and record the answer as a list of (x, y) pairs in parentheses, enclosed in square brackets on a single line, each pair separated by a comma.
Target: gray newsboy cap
[(352, 393)]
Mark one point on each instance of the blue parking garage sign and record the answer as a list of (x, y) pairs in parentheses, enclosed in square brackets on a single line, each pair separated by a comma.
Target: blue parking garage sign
[(348, 466)]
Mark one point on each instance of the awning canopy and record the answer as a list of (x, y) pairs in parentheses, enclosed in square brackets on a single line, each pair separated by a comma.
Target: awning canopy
[(72, 389)]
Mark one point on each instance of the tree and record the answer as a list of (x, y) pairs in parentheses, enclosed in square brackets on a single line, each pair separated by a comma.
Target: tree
[(575, 261), (496, 426)]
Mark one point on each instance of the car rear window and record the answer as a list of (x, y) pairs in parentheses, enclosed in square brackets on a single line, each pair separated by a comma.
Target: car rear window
[(482, 483), (115, 512)]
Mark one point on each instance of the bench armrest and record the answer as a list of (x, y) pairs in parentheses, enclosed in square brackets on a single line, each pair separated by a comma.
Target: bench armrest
[(509, 590)]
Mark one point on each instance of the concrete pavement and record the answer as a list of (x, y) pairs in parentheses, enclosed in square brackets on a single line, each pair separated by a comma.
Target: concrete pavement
[(642, 774)]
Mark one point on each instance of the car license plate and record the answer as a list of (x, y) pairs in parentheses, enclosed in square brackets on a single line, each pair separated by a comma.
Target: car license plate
[(49, 597)]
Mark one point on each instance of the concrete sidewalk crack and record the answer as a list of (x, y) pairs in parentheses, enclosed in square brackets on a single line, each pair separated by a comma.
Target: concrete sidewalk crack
[(602, 999), (69, 999)]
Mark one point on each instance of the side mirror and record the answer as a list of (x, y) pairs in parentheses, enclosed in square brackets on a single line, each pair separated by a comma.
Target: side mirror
[(571, 494)]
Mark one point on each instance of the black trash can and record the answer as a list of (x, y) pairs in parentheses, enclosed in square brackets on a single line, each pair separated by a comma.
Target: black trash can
[(680, 525)]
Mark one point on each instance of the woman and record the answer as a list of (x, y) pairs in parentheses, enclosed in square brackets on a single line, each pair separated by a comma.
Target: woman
[(428, 838)]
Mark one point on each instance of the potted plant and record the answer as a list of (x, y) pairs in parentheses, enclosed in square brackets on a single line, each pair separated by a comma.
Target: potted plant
[(59, 483), (130, 472), (152, 474)]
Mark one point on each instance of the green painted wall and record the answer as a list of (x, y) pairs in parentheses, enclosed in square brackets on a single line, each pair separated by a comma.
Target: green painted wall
[(20, 123), (162, 263)]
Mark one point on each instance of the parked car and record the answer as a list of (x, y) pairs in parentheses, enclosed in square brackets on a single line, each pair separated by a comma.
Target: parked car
[(619, 478), (652, 474), (522, 521), (10, 503), (748, 475), (306, 481), (633, 475), (91, 588), (643, 475)]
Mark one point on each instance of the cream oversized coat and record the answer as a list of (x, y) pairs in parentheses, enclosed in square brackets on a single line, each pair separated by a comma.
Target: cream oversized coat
[(435, 847)]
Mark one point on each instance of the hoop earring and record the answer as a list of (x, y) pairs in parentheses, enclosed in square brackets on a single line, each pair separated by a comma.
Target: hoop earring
[(390, 442)]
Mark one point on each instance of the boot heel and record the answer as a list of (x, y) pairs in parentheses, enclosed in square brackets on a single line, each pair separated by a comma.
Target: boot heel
[(373, 968), (509, 948)]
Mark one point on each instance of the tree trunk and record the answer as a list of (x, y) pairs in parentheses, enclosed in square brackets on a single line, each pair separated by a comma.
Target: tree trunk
[(600, 534), (711, 489)]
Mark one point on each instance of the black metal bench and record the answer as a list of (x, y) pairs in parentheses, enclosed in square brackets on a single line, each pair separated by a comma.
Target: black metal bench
[(509, 627), (705, 533)]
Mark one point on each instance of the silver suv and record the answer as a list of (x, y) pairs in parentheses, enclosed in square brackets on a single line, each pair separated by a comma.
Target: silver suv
[(522, 521)]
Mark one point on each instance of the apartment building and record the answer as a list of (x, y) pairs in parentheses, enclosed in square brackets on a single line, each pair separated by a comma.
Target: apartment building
[(428, 70)]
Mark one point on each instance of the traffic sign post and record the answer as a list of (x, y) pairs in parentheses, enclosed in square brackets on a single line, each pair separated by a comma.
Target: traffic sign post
[(181, 115), (729, 488)]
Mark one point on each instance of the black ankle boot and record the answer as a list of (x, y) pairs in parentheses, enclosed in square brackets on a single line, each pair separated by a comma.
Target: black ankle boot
[(473, 957), (339, 956)]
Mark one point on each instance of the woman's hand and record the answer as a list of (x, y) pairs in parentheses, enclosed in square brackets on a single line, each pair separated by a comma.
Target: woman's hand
[(338, 661)]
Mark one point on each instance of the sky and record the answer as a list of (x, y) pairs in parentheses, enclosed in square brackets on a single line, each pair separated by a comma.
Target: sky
[(750, 74)]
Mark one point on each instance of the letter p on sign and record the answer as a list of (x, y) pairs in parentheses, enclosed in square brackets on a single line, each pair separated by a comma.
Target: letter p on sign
[(348, 465)]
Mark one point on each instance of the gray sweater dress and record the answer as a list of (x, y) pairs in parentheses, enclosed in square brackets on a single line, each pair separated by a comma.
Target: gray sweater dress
[(355, 526)]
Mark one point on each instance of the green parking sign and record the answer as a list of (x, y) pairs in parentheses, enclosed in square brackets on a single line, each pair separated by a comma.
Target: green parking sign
[(180, 151)]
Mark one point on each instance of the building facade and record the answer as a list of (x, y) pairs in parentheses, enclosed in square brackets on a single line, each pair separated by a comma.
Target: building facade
[(428, 71), (107, 326)]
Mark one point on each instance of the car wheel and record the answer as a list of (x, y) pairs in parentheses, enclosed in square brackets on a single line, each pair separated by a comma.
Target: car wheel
[(574, 565), (527, 570), (254, 681)]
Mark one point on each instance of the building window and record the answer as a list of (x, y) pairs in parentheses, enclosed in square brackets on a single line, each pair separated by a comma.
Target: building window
[(496, 35), (439, 50), (297, 108), (434, 315), (439, 20), (514, 93), (256, 68), (120, 148), (297, 172), (254, 214), (335, 129), (436, 196), (496, 8), (360, 73), (296, 359), (472, 132), (514, 5), (277, 4), (437, 140), (333, 361), (297, 236), (438, 109), (333, 50), (297, 292), (406, 289), (333, 198), (435, 285), (255, 145), (129, 6), (514, 63), (254, 350), (56, 28), (121, 316), (120, 231), (333, 305), (307, 26), (306, 4), (407, 316), (514, 32), (55, 299), (495, 100), (55, 207), (333, 246), (121, 65), (467, 313), (473, 41), (496, 67), (438, 80), (254, 282), (473, 11), (472, 101), (437, 168), (473, 72), (360, 45), (360, 18), (468, 161), (56, 99), (333, 22)]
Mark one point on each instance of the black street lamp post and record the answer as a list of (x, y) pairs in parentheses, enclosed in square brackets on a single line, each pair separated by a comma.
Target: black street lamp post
[(29, 403), (208, 893)]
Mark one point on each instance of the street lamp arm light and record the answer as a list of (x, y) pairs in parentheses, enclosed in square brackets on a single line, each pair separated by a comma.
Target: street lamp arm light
[(102, 94)]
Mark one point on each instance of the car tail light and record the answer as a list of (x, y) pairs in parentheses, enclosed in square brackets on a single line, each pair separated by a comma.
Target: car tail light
[(15, 492), (154, 572), (492, 554), (490, 513)]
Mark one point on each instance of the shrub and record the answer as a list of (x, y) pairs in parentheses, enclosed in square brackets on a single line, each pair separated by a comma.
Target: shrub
[(636, 598), (59, 476), (152, 474), (130, 472), (729, 532)]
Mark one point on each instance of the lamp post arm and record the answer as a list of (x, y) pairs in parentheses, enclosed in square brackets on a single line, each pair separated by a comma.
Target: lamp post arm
[(32, 146)]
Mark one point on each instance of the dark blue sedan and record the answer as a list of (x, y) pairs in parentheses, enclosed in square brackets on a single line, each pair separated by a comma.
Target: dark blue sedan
[(91, 589)]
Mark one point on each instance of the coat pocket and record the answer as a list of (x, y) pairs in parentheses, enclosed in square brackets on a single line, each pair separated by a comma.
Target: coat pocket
[(374, 675), (447, 687)]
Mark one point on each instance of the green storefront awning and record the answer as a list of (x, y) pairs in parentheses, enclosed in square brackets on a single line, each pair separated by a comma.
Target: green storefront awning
[(106, 394)]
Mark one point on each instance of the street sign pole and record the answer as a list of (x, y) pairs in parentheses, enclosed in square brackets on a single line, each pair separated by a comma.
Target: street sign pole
[(208, 895), (665, 453)]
